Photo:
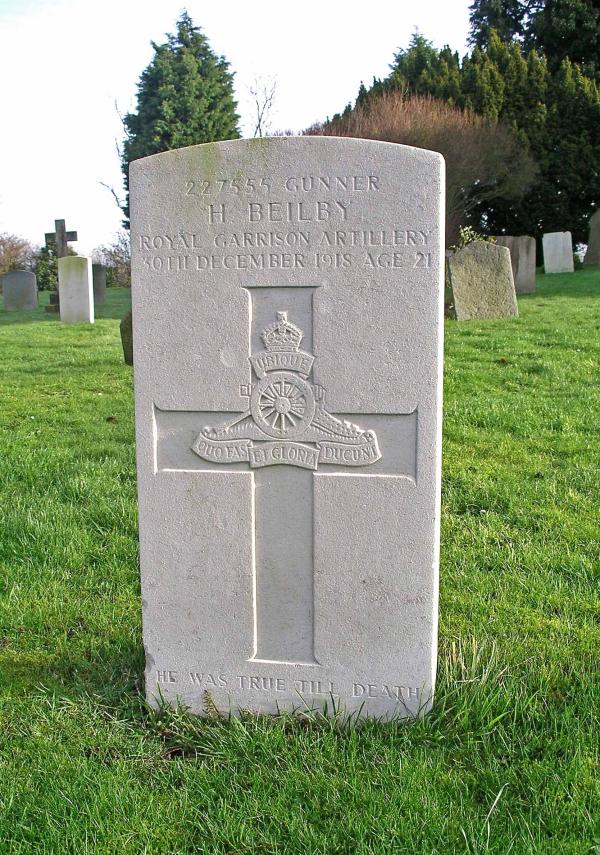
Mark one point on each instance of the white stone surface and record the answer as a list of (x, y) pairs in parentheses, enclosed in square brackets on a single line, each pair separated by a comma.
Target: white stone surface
[(558, 252), (288, 557), (19, 290), (75, 290)]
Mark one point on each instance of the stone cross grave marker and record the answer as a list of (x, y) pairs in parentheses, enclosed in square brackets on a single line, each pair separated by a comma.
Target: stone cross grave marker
[(58, 240), (287, 333)]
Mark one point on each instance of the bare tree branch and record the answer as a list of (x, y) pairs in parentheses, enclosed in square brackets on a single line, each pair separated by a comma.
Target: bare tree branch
[(113, 193), (122, 120), (263, 94), (116, 256)]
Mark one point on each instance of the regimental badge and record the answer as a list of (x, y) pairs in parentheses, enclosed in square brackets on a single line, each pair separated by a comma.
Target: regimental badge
[(286, 422)]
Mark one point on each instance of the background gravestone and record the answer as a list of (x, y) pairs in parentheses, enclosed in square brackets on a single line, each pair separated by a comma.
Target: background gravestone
[(523, 257), (287, 317), (449, 311), (126, 331), (19, 290), (482, 282), (526, 266), (558, 252), (75, 290), (99, 283), (592, 255)]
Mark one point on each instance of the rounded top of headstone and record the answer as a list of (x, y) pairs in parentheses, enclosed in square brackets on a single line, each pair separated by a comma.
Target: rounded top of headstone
[(19, 271), (483, 249), (67, 260), (208, 155)]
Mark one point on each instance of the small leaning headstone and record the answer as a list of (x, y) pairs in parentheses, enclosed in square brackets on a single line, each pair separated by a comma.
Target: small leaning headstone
[(482, 282), (522, 256), (19, 290), (510, 242), (99, 281), (288, 315), (558, 252), (75, 290), (126, 329), (592, 255)]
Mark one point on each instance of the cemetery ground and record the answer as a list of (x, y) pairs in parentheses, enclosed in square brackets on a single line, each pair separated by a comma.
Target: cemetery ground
[(507, 760)]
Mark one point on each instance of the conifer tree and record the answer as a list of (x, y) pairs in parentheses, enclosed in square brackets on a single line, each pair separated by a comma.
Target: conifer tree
[(185, 96), (568, 28), (554, 113), (508, 18)]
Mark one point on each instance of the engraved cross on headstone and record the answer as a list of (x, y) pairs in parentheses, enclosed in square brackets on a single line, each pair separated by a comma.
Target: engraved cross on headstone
[(286, 438), (59, 238)]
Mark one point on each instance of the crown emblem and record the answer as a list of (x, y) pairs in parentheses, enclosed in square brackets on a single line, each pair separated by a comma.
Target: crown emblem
[(285, 421), (282, 335)]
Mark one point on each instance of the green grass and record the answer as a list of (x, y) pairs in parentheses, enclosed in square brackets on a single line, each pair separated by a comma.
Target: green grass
[(506, 762)]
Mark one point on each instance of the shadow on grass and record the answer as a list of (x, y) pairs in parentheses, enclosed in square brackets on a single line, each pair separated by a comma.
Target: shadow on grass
[(583, 283), (114, 674), (118, 303), (33, 317)]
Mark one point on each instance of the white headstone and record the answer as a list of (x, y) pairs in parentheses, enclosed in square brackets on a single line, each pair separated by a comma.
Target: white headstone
[(19, 290), (558, 252), (75, 290), (99, 282), (287, 308)]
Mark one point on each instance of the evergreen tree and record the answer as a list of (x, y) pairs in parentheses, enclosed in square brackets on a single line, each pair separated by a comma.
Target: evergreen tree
[(571, 152), (483, 86), (185, 96), (416, 65), (425, 71), (508, 18), (362, 93), (554, 113), (568, 28), (560, 29), (46, 270)]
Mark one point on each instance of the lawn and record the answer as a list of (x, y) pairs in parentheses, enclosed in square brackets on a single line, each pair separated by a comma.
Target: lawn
[(507, 760)]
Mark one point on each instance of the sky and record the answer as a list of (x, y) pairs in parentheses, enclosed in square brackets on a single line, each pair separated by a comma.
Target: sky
[(70, 67)]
